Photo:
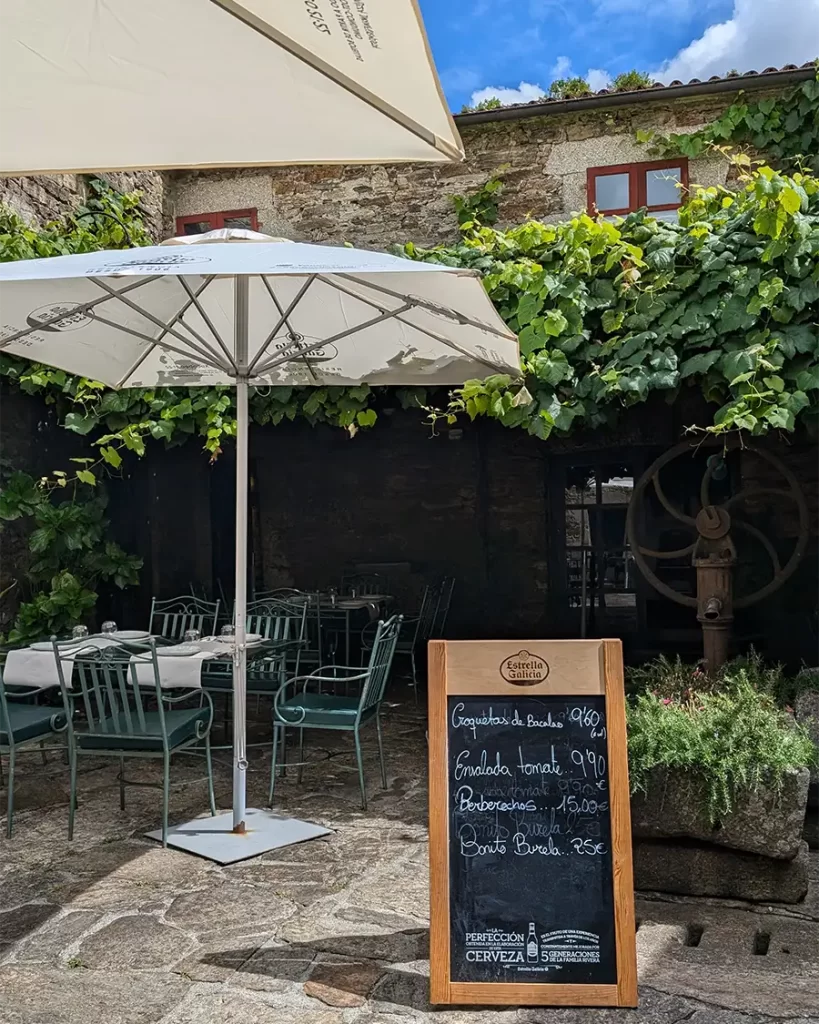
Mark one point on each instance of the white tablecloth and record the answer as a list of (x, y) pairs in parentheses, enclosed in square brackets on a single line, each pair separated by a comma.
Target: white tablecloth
[(27, 667)]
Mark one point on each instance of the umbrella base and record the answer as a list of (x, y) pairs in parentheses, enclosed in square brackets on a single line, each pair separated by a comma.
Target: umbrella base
[(214, 838)]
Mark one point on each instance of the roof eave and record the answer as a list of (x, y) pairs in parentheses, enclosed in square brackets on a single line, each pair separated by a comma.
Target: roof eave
[(737, 83)]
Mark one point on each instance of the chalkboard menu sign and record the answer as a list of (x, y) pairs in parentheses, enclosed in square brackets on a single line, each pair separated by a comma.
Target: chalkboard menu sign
[(532, 897)]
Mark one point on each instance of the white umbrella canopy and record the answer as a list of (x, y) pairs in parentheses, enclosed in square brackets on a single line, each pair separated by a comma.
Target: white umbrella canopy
[(105, 85), (315, 315), (239, 308)]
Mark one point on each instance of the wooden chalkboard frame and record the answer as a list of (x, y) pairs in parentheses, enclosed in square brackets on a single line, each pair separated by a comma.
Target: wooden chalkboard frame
[(577, 668)]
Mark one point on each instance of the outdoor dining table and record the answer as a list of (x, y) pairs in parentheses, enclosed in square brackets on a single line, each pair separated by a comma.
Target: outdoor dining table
[(180, 665), (348, 605)]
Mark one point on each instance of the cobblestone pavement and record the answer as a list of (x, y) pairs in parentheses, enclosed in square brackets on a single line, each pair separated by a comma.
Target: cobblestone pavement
[(112, 929)]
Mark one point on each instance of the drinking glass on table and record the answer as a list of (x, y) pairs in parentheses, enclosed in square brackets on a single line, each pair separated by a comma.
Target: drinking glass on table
[(79, 632), (109, 627), (227, 632), (192, 635), (333, 593)]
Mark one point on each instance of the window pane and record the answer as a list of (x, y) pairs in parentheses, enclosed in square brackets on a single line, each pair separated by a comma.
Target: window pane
[(672, 216), (611, 191), (237, 222), (661, 186), (198, 227)]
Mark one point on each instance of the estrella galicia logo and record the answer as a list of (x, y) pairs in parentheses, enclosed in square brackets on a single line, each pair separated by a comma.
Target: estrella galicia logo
[(163, 263), (48, 318), (524, 669)]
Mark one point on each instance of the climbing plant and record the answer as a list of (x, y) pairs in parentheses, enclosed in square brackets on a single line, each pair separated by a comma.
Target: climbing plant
[(610, 312), (785, 128)]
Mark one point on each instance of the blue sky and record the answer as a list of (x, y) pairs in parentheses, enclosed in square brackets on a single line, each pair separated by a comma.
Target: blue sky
[(515, 48)]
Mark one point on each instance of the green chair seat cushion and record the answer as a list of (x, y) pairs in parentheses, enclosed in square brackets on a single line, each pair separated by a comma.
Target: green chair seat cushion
[(180, 726), (28, 722), (321, 710)]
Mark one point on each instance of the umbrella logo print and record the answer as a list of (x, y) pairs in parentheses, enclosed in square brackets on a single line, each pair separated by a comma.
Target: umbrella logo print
[(295, 343), (154, 264), (73, 320)]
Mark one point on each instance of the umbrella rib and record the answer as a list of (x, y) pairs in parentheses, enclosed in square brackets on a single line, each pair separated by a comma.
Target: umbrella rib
[(239, 10), (83, 307), (195, 300), (278, 360), (206, 356), (431, 306), (423, 330), (280, 308), (153, 341), (144, 355), (282, 320)]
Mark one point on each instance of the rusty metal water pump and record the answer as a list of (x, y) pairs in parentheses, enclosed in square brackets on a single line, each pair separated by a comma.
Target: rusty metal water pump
[(713, 551)]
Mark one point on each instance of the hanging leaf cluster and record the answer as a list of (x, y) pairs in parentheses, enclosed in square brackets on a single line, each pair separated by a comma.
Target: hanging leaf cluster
[(610, 312)]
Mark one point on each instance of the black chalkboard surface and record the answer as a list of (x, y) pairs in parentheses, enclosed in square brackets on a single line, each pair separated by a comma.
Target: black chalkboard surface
[(530, 851)]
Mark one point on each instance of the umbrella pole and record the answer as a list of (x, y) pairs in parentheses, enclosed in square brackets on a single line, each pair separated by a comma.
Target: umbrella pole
[(240, 653)]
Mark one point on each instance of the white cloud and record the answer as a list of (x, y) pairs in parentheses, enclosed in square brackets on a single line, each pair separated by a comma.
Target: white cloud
[(598, 79), (562, 68), (524, 93), (759, 34)]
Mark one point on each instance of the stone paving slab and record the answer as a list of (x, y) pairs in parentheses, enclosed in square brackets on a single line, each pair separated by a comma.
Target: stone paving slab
[(112, 929)]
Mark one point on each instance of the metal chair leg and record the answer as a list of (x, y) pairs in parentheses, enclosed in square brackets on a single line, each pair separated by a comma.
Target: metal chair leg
[(1, 770), (381, 750), (122, 783), (72, 798), (360, 771), (209, 762), (166, 786), (283, 772), (273, 764), (300, 769), (414, 677), (10, 810), (43, 752)]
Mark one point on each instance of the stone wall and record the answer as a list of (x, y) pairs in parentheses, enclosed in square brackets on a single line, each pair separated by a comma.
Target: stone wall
[(545, 161), (41, 198)]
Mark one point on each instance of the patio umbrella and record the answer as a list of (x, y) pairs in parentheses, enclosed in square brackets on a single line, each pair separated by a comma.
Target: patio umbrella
[(239, 308), (106, 85)]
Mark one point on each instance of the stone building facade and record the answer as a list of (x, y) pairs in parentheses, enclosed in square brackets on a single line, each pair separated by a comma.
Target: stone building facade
[(41, 198), (545, 151)]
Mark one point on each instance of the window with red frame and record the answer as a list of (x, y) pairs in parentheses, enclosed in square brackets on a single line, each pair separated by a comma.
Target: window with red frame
[(624, 188), (199, 223)]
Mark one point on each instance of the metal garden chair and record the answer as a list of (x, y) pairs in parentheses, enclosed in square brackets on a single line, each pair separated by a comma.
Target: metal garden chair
[(172, 618), (282, 624), (429, 623), (365, 583), (111, 714), (446, 585), (314, 709), (24, 725)]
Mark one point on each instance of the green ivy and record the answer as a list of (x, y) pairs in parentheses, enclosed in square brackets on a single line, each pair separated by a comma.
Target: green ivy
[(785, 128), (70, 553), (608, 313)]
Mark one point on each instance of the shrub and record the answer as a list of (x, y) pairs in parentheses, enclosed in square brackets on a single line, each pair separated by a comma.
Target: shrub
[(731, 741)]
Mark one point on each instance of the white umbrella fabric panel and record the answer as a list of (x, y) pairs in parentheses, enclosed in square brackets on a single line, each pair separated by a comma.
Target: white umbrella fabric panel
[(317, 315), (105, 85)]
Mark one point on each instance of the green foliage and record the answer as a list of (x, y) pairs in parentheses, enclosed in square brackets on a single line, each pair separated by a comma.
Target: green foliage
[(490, 103), (479, 208), (70, 554), (569, 88), (628, 81), (784, 128), (609, 313), (730, 741)]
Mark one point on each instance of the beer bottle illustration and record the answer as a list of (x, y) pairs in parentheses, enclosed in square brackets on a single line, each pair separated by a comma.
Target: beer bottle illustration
[(532, 951)]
